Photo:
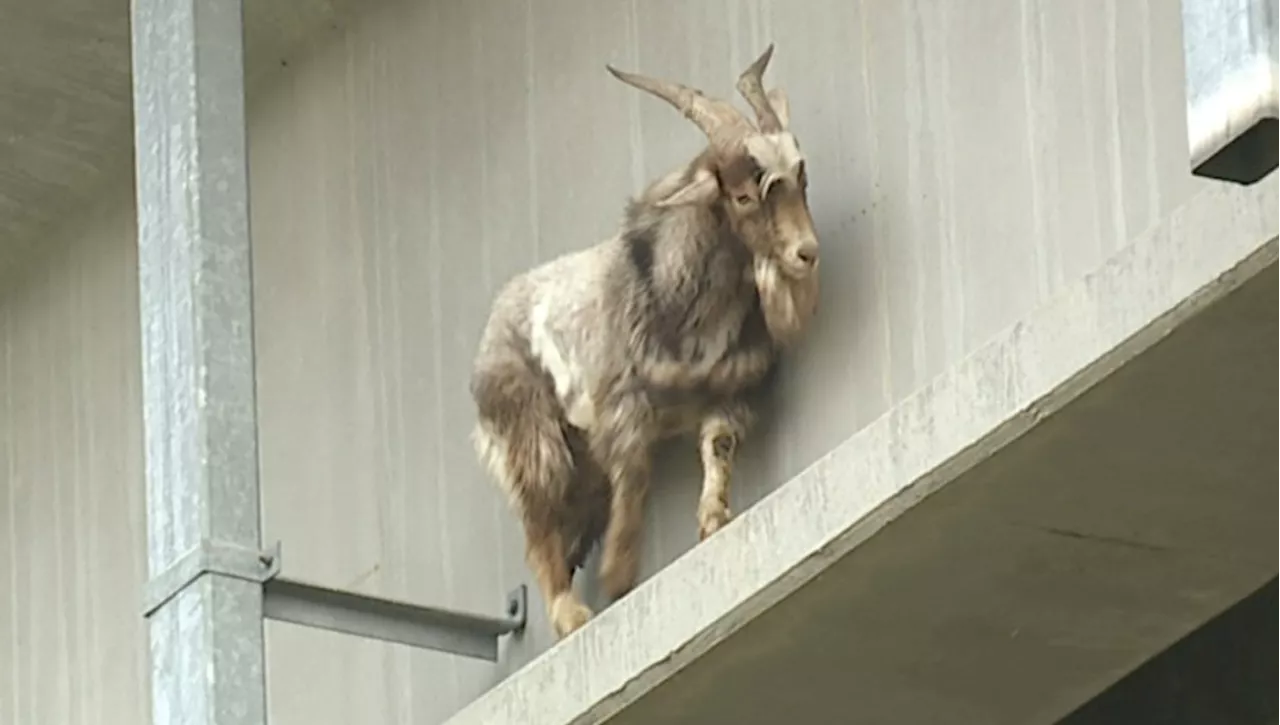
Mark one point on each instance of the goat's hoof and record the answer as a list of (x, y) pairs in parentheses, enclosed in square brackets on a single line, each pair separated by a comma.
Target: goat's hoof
[(712, 518), (568, 614)]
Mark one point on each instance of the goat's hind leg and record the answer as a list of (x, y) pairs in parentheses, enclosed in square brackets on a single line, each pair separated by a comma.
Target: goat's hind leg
[(624, 451), (526, 450), (718, 440), (547, 552), (620, 554)]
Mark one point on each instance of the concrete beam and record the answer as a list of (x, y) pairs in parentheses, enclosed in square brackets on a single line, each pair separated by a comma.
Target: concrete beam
[(1222, 672), (1230, 48), (206, 637), (887, 581)]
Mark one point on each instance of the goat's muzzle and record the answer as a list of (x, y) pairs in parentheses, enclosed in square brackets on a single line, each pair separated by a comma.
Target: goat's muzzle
[(801, 258)]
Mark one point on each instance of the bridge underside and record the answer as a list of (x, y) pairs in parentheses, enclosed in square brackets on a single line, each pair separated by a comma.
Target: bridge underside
[(1032, 581)]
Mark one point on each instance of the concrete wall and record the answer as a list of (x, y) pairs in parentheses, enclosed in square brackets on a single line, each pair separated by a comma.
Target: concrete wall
[(72, 533), (965, 162)]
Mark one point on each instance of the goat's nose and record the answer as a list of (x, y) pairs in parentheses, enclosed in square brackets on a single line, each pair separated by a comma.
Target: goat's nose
[(807, 253)]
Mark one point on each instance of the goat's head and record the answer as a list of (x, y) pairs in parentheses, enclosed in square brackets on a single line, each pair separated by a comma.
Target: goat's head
[(755, 172)]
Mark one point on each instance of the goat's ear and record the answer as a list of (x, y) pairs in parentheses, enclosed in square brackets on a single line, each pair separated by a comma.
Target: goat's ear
[(704, 188), (781, 106)]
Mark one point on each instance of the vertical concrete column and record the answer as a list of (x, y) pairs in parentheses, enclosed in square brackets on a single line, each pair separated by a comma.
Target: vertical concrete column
[(205, 596), (1230, 48)]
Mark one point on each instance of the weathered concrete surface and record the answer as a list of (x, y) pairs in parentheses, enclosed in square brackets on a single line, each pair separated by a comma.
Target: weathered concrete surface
[(1070, 499), (65, 104)]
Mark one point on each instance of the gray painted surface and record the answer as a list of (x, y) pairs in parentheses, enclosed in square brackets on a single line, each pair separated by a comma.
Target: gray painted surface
[(65, 103), (966, 164)]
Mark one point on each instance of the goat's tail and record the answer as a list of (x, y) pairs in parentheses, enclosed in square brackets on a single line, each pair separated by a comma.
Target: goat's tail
[(520, 433)]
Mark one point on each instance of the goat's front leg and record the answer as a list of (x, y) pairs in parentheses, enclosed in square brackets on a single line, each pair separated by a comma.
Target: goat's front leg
[(718, 440), (717, 444)]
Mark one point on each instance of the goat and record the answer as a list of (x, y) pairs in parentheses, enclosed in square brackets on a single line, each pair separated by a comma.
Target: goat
[(589, 359)]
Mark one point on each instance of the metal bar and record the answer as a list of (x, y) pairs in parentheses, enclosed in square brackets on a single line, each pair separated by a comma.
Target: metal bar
[(200, 424), (391, 620), (1230, 49)]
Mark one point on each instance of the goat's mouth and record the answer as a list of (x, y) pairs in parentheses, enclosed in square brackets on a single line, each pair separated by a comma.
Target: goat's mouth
[(799, 269)]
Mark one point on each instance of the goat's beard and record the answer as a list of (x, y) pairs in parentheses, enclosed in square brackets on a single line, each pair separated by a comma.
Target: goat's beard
[(788, 303)]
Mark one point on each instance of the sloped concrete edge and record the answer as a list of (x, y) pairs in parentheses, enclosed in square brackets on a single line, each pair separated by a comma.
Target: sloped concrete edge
[(1198, 254)]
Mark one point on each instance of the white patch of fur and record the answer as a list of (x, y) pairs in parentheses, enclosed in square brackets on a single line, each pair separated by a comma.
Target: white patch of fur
[(777, 154), (564, 369)]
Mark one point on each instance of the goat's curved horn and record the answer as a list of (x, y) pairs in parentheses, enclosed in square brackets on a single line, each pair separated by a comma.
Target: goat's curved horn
[(751, 86), (711, 115)]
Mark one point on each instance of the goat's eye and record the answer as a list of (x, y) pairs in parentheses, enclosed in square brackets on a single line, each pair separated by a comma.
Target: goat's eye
[(743, 199)]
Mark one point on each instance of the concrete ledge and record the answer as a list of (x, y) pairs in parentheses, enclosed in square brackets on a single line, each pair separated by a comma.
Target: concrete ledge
[(1200, 254)]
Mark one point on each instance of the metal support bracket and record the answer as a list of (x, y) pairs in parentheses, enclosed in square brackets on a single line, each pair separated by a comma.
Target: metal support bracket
[(392, 620), (210, 557), (313, 605)]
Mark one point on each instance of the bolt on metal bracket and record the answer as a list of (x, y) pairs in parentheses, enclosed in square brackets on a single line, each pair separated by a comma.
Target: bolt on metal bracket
[(314, 605)]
